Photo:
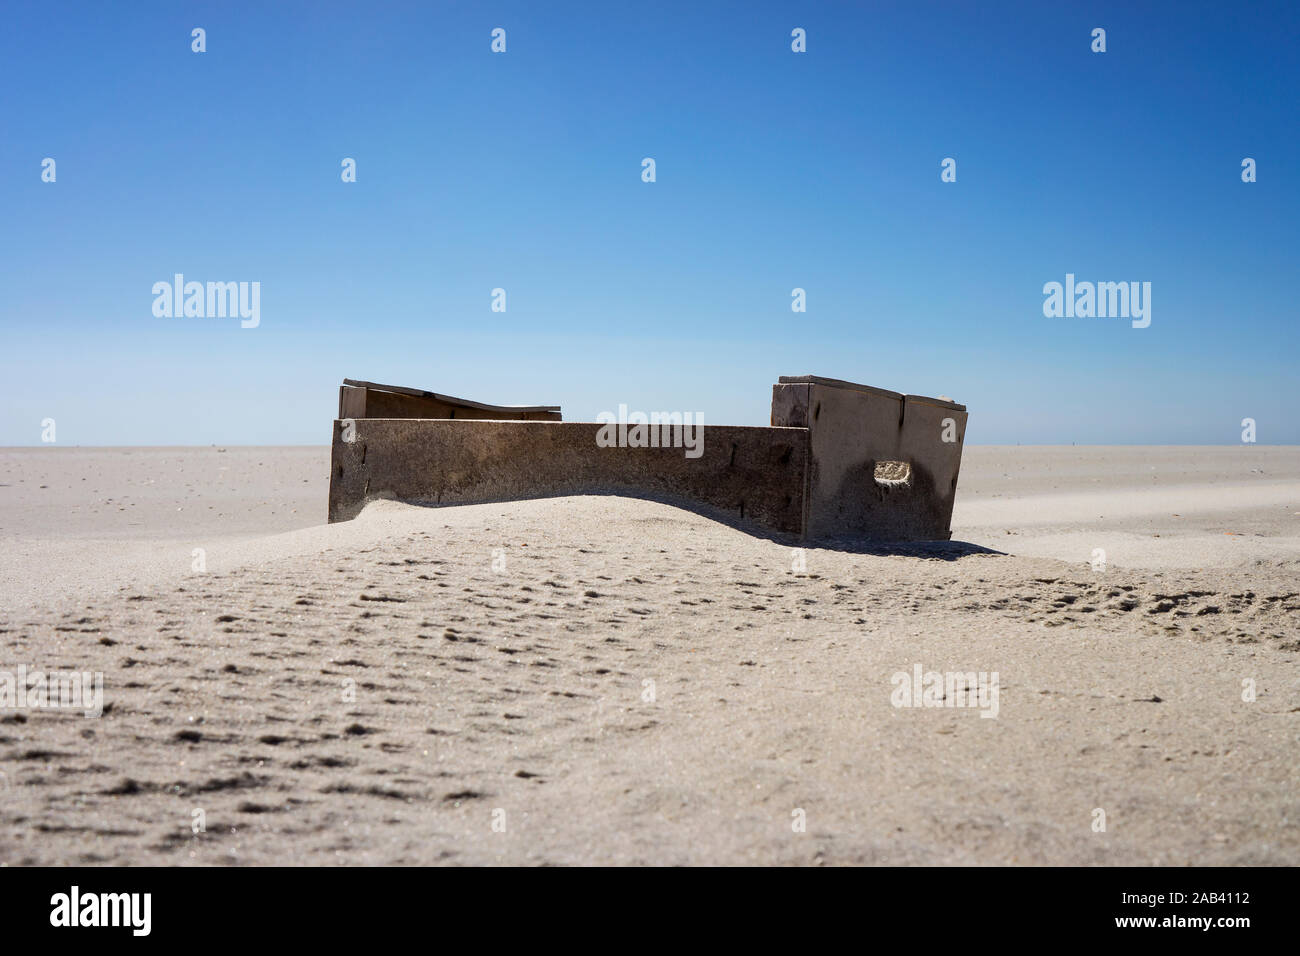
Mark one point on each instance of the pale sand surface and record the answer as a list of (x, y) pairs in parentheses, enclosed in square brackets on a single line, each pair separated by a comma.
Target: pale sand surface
[(524, 690)]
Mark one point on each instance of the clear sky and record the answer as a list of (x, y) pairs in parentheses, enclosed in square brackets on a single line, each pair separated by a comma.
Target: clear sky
[(774, 170)]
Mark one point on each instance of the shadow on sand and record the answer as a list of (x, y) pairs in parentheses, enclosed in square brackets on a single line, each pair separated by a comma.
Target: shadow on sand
[(932, 550)]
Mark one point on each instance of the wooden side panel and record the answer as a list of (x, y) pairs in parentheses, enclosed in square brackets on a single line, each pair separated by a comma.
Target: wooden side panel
[(746, 474)]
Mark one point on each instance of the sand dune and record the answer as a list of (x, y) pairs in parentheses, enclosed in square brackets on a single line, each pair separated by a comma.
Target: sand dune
[(605, 680)]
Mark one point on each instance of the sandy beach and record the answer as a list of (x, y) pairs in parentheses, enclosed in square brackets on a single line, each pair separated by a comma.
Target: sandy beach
[(594, 680)]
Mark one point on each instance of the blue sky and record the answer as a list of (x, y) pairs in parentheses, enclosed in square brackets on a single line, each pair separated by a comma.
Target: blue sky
[(775, 170)]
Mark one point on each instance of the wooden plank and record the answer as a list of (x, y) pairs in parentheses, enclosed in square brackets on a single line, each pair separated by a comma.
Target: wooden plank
[(449, 400)]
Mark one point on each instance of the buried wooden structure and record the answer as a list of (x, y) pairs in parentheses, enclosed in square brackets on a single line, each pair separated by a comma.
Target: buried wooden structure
[(840, 460)]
